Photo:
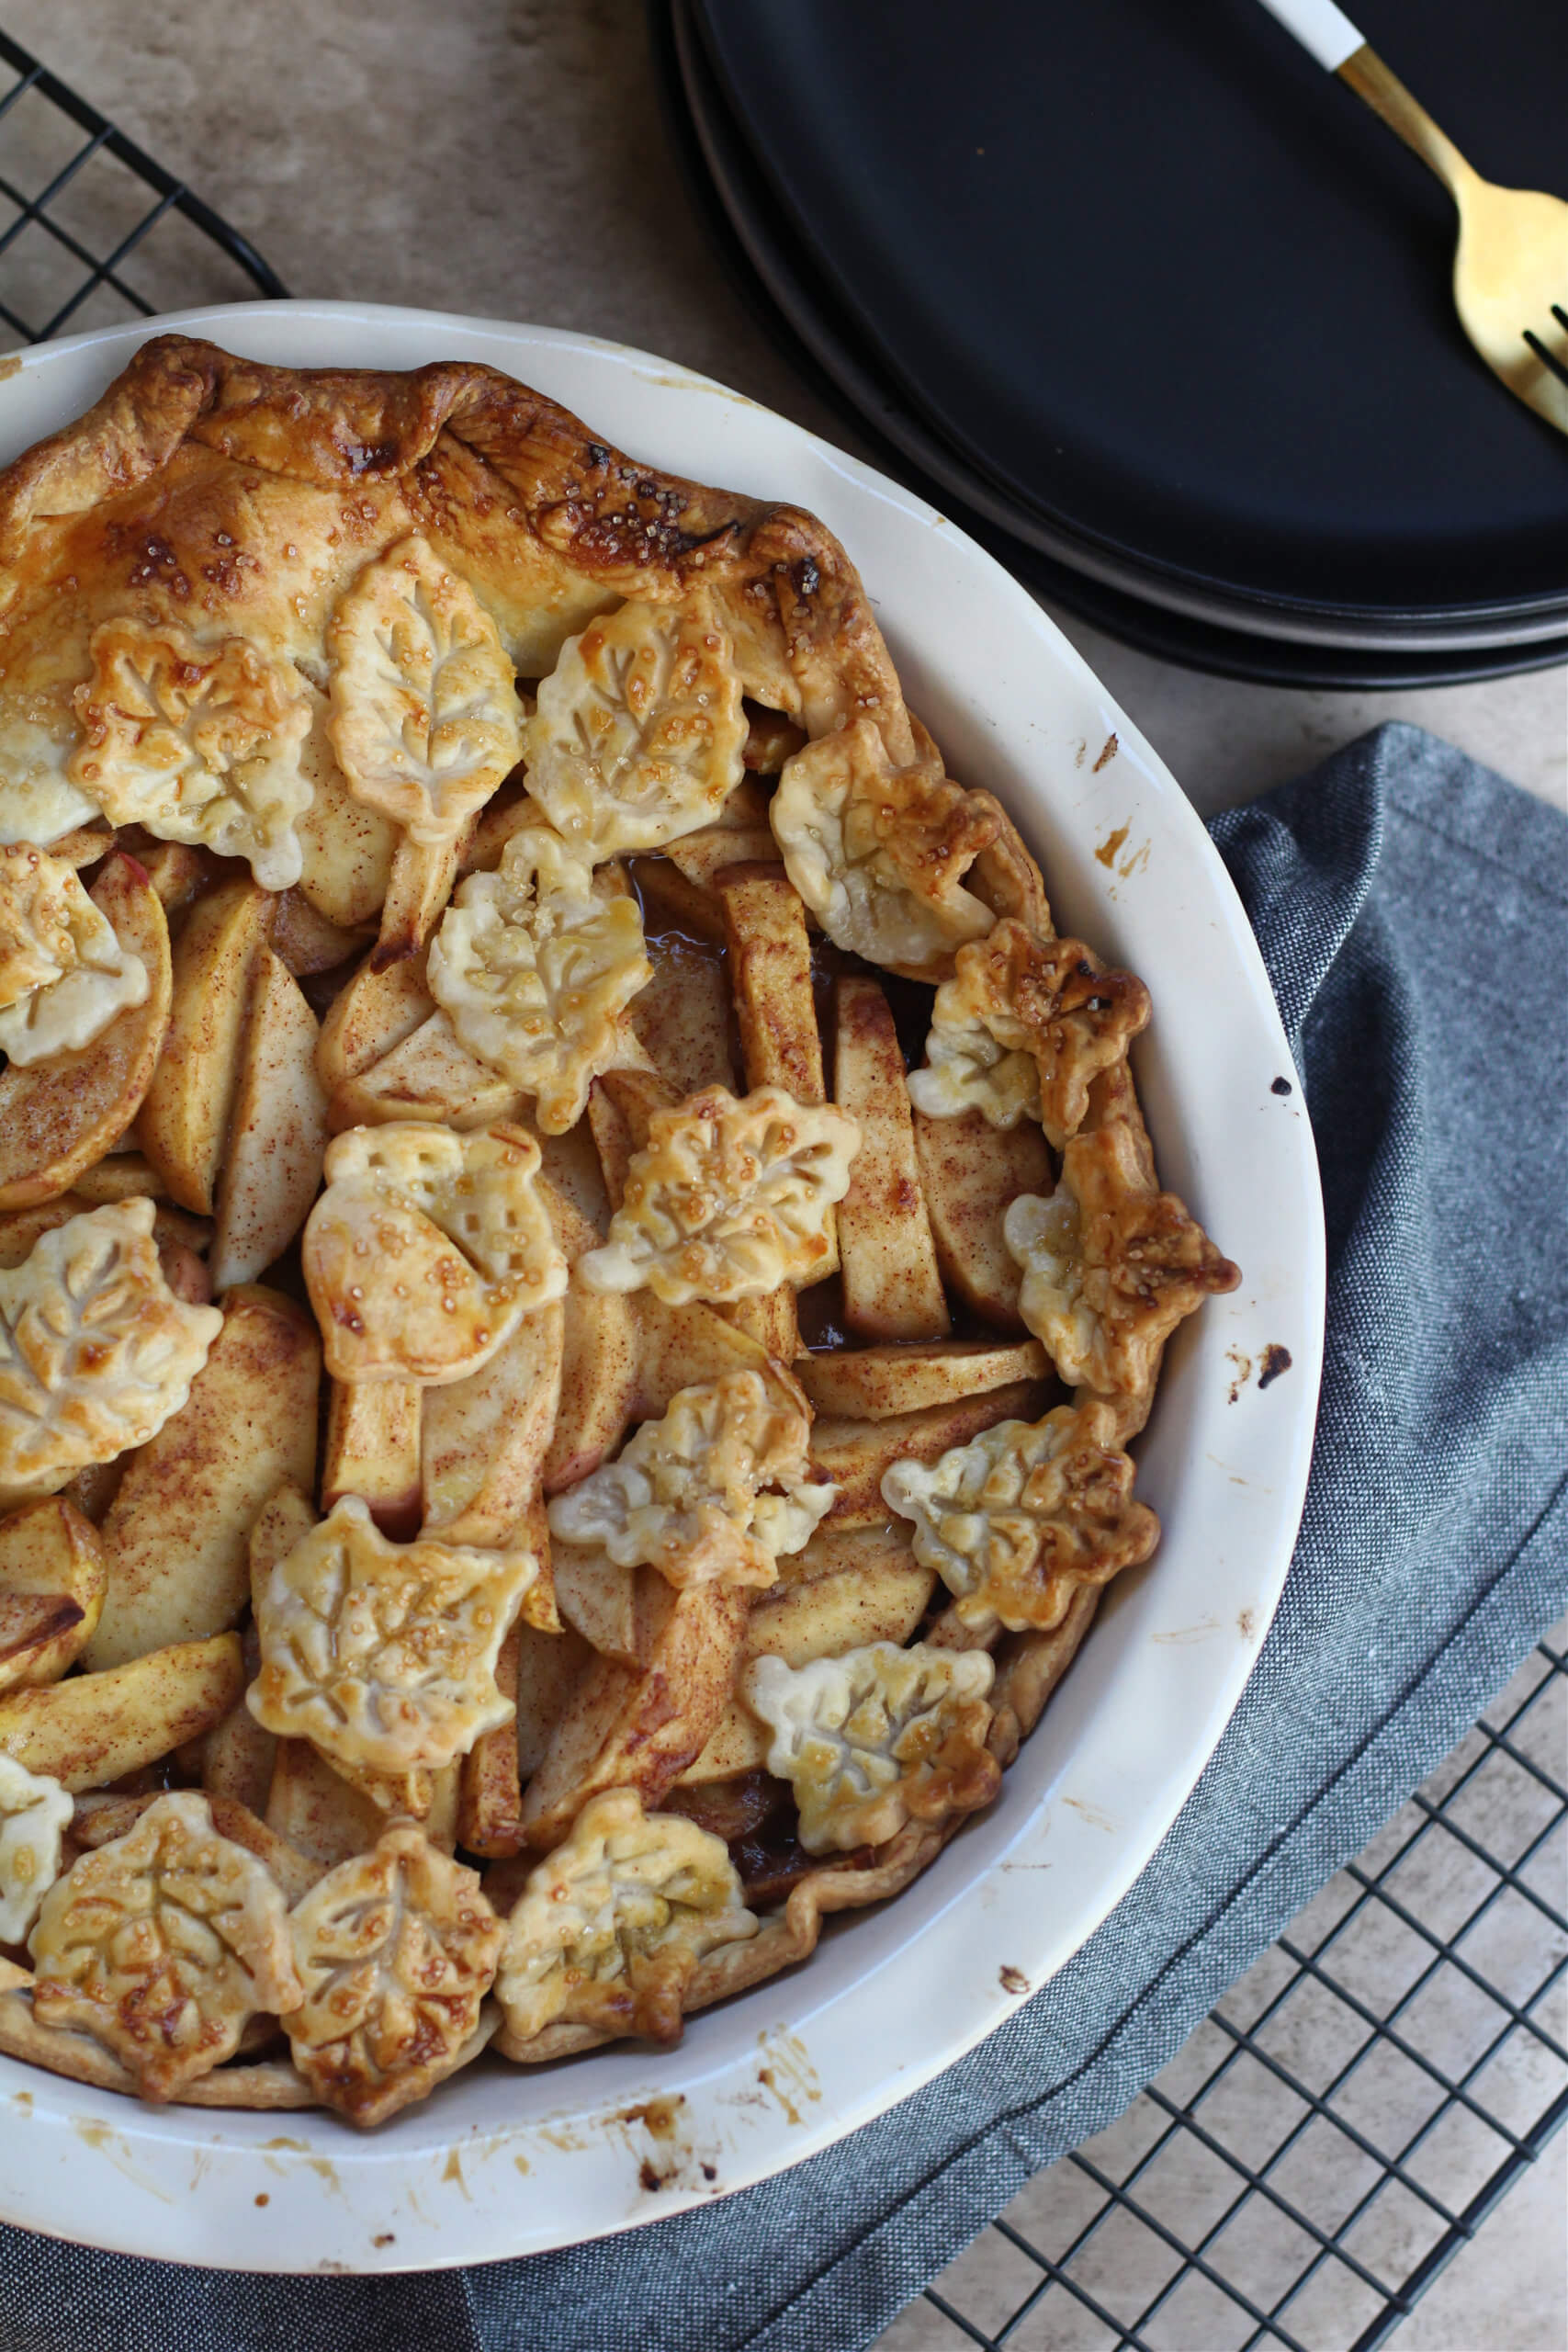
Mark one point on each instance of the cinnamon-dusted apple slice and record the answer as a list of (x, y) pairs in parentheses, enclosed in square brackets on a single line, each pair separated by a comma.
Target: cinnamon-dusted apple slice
[(183, 1122), (59, 1116), (93, 1728), (539, 1671), (53, 1578), (307, 942), (970, 1174), (483, 1440), (599, 1357), (371, 1013), (598, 1596), (854, 1454), (681, 1017), (96, 1352), (873, 1384), (373, 1450), (346, 848), (178, 1534), (426, 1250), (429, 1074), (425, 722), (892, 1288), (681, 1347), (314, 1808), (278, 1135), (627, 1728)]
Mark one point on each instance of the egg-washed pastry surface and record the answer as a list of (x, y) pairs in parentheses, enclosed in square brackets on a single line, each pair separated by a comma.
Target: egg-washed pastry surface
[(538, 1454)]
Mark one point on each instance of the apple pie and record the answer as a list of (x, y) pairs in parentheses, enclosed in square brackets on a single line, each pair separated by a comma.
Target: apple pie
[(578, 1261)]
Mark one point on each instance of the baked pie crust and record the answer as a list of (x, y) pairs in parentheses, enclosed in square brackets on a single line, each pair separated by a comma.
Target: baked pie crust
[(529, 824)]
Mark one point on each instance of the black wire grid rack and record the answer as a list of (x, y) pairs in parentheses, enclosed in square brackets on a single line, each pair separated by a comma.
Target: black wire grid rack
[(1365, 2096), (1343, 2123), (92, 229)]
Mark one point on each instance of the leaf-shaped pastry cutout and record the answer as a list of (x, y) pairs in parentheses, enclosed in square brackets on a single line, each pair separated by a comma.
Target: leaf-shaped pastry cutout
[(63, 973), (639, 734), (877, 1737), (427, 1249), (878, 852), (1017, 1521), (396, 1949), (38, 738), (729, 1199), (1023, 1029), (425, 719), (687, 1495), (534, 967), (162, 1943), (610, 1928), (35, 1813), (1111, 1265), (383, 1654), (96, 1351), (199, 740)]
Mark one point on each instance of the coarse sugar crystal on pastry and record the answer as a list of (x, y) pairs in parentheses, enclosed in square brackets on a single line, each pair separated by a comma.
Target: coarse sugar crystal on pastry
[(876, 1738), (1025, 1513), (383, 1654), (878, 852), (610, 1927), (1022, 1029), (427, 1248), (96, 1351), (688, 1494), (162, 1944), (639, 734), (396, 1949), (534, 969), (63, 973), (729, 1199)]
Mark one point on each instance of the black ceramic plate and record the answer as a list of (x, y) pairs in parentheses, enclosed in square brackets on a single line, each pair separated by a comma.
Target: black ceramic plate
[(782, 290), (1167, 287)]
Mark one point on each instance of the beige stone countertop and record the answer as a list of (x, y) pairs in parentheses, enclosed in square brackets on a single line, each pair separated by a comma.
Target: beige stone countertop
[(507, 158)]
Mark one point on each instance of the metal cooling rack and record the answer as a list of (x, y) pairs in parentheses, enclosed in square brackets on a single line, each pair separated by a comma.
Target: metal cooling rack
[(1347, 2117), (80, 244)]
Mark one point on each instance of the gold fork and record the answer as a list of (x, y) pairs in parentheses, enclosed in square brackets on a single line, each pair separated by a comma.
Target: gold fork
[(1511, 265)]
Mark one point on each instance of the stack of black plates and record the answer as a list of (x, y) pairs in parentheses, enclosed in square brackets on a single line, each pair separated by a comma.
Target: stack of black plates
[(1152, 306)]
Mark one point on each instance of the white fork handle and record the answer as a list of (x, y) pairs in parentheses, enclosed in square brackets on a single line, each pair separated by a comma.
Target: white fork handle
[(1323, 30)]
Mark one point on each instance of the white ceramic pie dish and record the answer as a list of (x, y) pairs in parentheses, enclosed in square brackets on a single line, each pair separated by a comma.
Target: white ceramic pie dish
[(503, 2160)]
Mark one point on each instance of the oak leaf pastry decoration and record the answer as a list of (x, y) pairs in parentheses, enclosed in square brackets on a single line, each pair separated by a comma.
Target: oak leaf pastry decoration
[(610, 1927), (427, 1249), (640, 735), (64, 974), (534, 970), (729, 1199), (38, 738), (1111, 1265), (35, 1813), (162, 1944), (878, 853), (197, 739), (425, 719), (877, 1737), (383, 1654), (396, 1949), (687, 1496), (1018, 1520), (1022, 1029), (96, 1351)]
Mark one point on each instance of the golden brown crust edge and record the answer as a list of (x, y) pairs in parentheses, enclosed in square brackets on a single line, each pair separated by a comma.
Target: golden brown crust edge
[(785, 587)]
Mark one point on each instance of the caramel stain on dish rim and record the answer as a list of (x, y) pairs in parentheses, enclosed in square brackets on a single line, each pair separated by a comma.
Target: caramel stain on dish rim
[(787, 2073), (453, 2170), (1011, 1979), (1272, 1362), (1108, 754), (1091, 1813), (1109, 848), (1242, 1363)]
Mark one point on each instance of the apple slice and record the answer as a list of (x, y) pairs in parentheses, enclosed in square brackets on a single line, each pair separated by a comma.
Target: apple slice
[(52, 1581), (176, 1535), (59, 1118), (892, 1288), (185, 1119), (278, 1136), (93, 1728), (970, 1174)]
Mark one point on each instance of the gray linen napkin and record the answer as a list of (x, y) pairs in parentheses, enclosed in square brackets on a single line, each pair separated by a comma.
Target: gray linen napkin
[(1411, 910)]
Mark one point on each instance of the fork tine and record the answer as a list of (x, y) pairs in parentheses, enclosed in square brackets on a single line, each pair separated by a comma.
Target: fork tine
[(1560, 315), (1548, 358)]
